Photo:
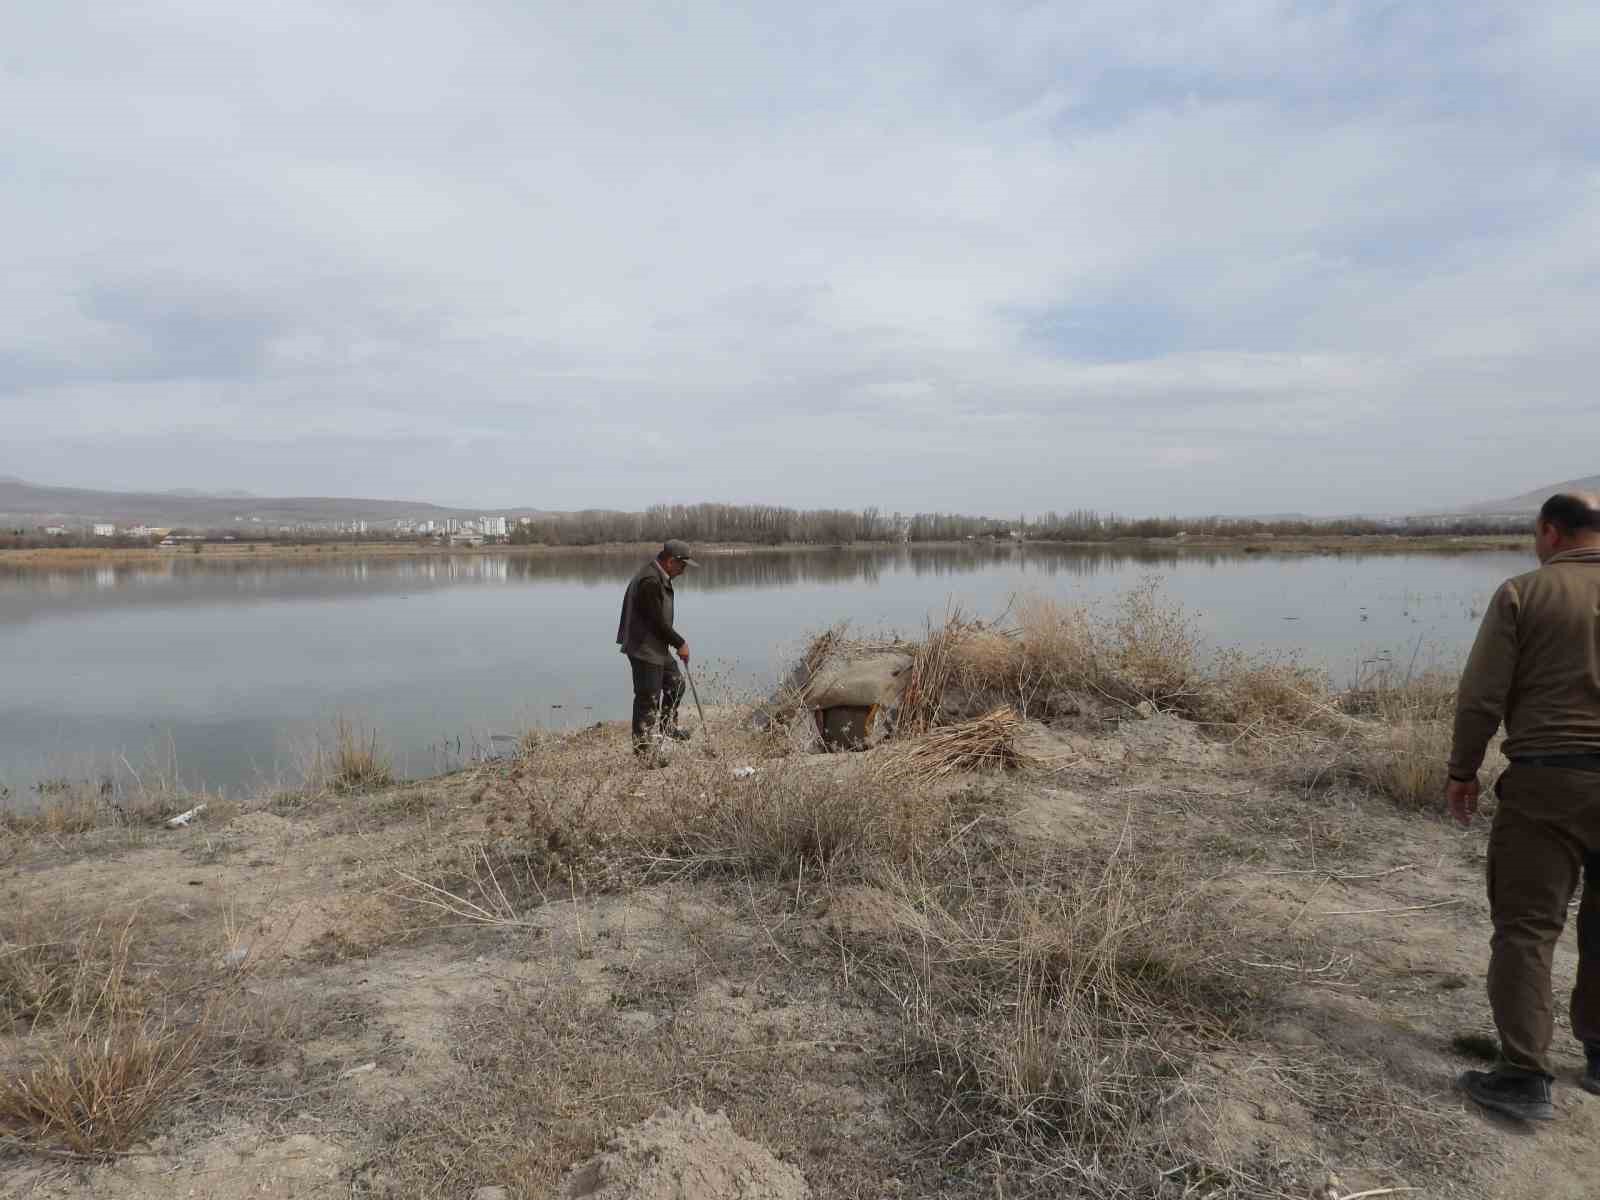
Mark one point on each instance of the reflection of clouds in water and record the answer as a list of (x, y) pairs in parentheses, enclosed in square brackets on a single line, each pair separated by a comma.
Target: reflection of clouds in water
[(27, 593)]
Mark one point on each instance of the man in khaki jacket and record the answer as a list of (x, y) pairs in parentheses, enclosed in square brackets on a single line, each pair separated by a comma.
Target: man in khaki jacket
[(1536, 665)]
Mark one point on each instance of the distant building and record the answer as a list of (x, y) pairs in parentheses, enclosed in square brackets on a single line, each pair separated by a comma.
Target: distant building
[(105, 531), (492, 526), (56, 530)]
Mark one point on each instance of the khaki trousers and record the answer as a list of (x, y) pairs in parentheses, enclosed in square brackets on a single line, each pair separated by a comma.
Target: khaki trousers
[(1544, 842)]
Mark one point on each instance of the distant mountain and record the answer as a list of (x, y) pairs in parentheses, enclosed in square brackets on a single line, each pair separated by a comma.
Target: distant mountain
[(196, 493), (1529, 502), (30, 504)]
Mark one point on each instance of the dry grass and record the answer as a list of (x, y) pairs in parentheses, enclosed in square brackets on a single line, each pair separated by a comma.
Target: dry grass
[(933, 669), (58, 813), (988, 742), (96, 1093), (546, 1074), (1391, 736), (1060, 1007), (47, 969), (1047, 661), (1044, 659), (351, 762), (113, 1057), (69, 809)]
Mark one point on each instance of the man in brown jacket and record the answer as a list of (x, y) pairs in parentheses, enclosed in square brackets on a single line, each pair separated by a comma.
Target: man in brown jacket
[(1536, 665), (646, 635)]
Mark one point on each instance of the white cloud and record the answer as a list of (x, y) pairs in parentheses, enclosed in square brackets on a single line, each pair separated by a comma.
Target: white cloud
[(1157, 258)]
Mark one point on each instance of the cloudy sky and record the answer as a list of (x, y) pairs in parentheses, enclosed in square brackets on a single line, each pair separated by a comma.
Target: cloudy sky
[(1151, 257)]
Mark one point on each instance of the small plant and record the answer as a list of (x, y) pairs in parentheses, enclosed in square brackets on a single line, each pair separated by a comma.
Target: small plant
[(97, 1092), (353, 763), (109, 1060)]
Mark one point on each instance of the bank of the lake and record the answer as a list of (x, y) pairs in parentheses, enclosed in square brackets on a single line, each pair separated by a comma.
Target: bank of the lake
[(224, 669), (1223, 945)]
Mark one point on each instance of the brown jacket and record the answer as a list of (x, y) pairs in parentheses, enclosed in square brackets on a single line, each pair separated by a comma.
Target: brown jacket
[(645, 629), (1536, 664)]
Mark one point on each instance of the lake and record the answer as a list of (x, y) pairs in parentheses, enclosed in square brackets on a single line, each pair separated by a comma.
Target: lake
[(225, 673)]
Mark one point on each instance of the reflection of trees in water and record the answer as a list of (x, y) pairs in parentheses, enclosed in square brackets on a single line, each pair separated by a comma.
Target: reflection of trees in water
[(28, 591), (759, 569)]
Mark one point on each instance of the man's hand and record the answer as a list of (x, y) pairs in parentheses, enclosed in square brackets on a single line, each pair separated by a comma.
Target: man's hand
[(1462, 796), (683, 653)]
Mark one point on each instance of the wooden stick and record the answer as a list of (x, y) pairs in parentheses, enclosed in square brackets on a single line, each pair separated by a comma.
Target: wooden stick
[(1364, 912)]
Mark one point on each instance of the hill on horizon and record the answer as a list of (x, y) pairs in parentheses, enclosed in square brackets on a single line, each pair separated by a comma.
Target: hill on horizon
[(30, 502), (1528, 502)]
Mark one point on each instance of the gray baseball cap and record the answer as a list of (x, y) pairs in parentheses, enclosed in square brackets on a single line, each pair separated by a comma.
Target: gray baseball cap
[(680, 551)]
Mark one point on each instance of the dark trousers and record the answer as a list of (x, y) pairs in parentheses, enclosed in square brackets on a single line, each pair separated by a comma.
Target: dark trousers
[(656, 692), (1545, 843)]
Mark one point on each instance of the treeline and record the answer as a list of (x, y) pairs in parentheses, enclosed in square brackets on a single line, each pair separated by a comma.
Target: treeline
[(1086, 525), (763, 524), (35, 539), (758, 524), (772, 525)]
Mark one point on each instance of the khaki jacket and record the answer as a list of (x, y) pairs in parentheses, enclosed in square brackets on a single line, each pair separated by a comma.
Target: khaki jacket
[(1535, 665)]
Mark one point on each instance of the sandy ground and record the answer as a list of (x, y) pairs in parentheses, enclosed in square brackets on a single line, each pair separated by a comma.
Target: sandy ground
[(1374, 918)]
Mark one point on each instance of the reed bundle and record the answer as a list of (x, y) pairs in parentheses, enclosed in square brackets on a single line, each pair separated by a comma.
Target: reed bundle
[(986, 741)]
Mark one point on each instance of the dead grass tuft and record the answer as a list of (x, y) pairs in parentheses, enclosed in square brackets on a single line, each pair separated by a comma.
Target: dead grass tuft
[(801, 822), (1394, 742), (113, 1060), (351, 763), (96, 1093), (986, 742), (1059, 1007)]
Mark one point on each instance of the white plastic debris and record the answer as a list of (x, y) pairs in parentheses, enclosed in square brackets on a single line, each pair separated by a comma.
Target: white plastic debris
[(363, 1069), (183, 818), (236, 957), (744, 772)]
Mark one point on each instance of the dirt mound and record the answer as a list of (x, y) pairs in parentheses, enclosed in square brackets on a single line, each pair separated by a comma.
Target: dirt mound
[(1162, 736), (691, 1155)]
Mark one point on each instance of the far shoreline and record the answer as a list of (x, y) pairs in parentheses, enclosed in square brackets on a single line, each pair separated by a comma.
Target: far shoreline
[(44, 557)]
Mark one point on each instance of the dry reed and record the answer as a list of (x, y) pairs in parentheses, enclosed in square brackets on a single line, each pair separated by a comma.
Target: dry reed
[(986, 742), (354, 763)]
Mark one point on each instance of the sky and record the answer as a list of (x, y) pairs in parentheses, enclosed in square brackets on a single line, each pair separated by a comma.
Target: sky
[(1237, 257)]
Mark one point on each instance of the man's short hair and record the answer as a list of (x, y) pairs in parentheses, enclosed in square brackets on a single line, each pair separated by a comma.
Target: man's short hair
[(1570, 512)]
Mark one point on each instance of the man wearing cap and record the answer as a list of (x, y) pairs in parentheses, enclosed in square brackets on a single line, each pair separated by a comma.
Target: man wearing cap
[(1536, 665), (647, 637)]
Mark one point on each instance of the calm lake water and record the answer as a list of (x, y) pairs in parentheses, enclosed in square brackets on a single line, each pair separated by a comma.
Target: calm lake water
[(225, 673)]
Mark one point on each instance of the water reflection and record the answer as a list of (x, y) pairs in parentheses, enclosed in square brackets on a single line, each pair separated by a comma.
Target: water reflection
[(175, 580)]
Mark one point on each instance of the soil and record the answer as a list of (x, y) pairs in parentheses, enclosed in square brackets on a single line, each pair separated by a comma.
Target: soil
[(684, 1156), (732, 1004)]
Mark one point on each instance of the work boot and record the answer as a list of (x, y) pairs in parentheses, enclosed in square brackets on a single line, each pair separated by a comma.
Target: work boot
[(678, 733), (1591, 1075), (1525, 1097)]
